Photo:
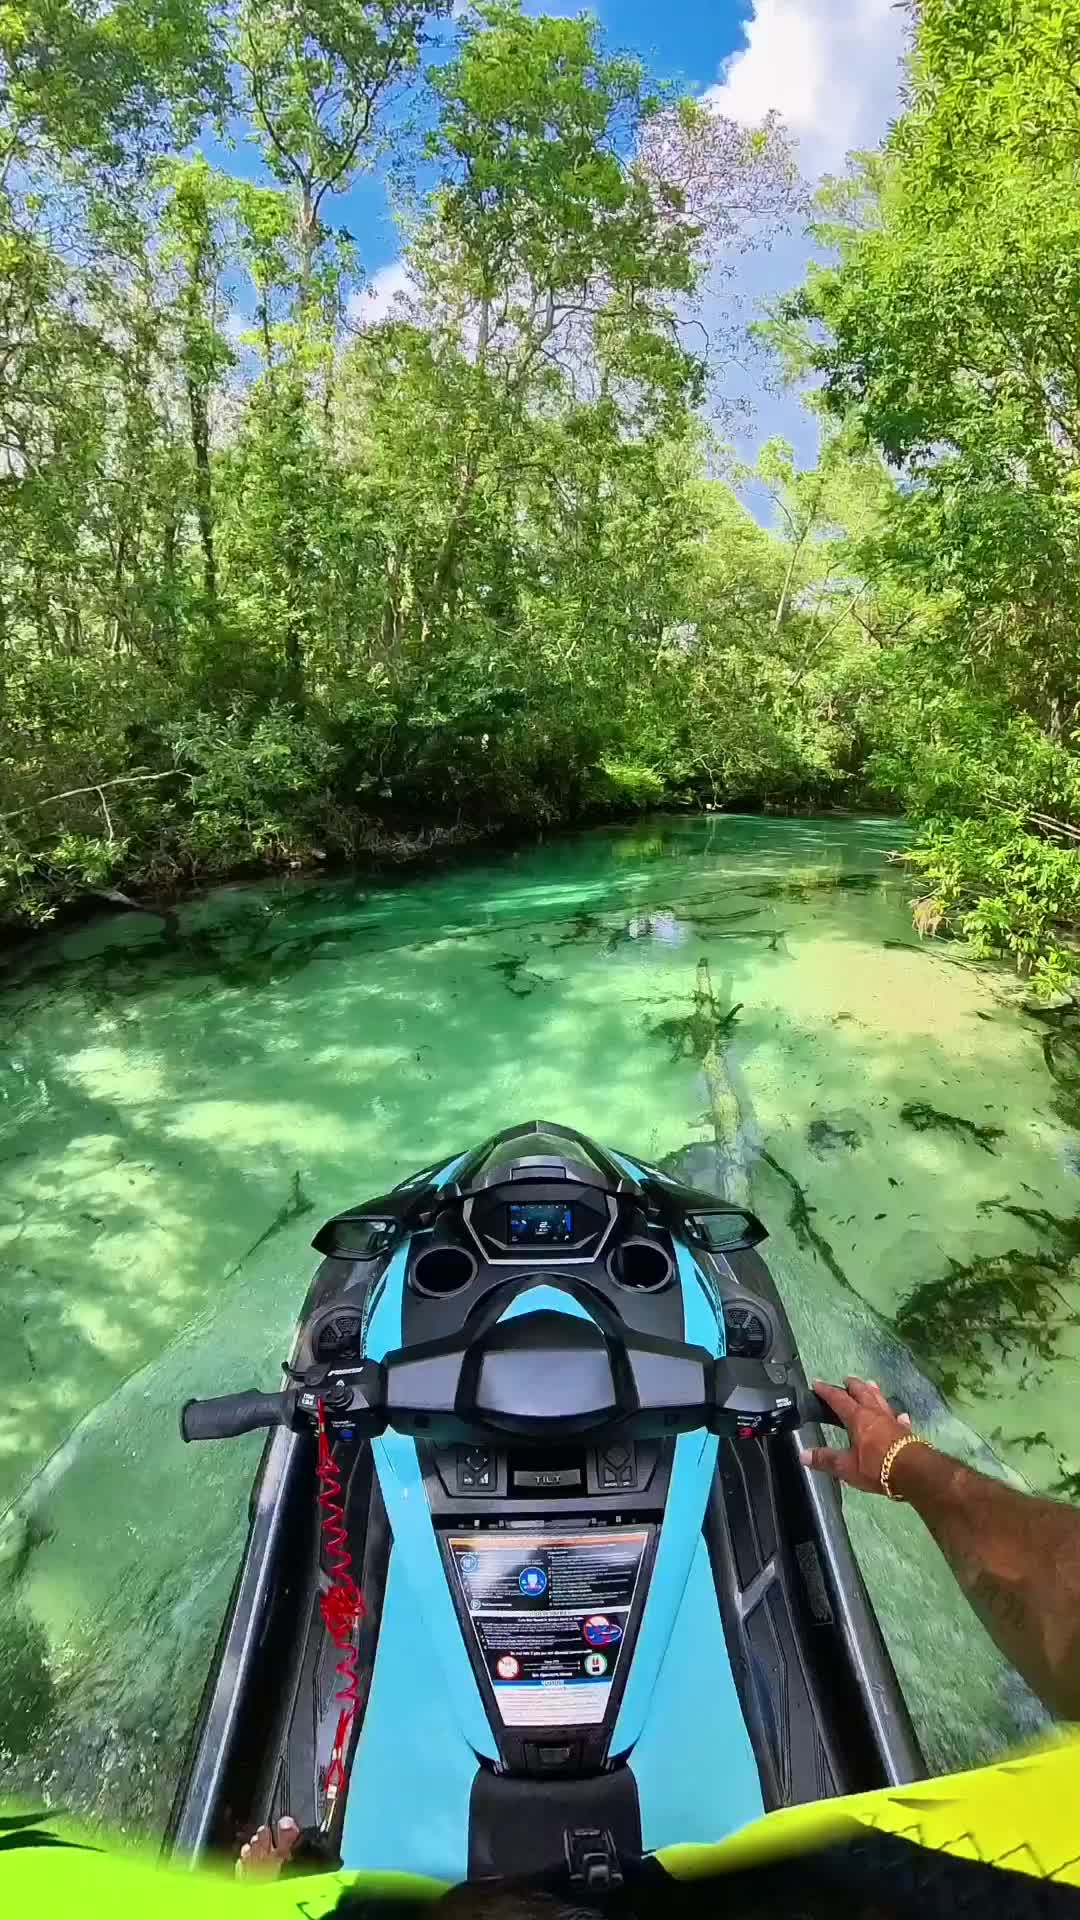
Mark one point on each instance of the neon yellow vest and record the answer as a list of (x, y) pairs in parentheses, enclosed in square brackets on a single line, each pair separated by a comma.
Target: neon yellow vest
[(1020, 1814)]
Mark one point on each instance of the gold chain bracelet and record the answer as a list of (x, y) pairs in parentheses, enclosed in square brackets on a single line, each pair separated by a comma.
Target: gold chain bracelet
[(905, 1440)]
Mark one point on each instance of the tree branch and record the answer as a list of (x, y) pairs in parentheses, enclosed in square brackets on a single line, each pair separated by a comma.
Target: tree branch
[(72, 793)]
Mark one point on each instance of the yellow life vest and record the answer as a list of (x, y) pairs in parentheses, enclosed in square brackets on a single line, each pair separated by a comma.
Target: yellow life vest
[(1020, 1813)]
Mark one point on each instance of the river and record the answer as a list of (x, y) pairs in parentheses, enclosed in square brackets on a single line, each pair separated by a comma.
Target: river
[(184, 1099)]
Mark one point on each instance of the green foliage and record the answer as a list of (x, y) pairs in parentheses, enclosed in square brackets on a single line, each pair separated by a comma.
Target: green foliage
[(258, 783), (104, 85), (534, 117), (944, 333), (254, 594), (271, 580), (622, 785)]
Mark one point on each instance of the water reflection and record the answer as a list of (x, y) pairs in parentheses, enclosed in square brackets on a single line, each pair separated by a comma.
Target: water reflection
[(665, 928)]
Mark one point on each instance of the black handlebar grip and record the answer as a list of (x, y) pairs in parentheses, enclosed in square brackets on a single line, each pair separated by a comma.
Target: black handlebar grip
[(811, 1407), (235, 1413)]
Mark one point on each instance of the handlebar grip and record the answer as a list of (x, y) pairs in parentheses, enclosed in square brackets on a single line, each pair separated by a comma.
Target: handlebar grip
[(235, 1413), (812, 1408)]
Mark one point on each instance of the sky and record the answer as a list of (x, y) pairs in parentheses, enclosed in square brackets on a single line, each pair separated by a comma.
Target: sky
[(830, 68)]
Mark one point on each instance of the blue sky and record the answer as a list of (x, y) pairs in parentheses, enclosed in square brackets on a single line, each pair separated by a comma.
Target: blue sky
[(683, 39), (680, 40), (830, 68)]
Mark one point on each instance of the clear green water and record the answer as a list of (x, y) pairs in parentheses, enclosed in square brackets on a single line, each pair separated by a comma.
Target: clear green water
[(184, 1100)]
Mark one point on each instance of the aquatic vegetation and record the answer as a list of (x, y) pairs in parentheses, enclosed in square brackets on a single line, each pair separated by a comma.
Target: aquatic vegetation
[(806, 885), (702, 1035), (1008, 1304), (925, 1119), (800, 1223), (706, 1028), (514, 973), (1061, 1052), (835, 1133), (27, 1690), (32, 1532), (293, 1208), (931, 950), (584, 928)]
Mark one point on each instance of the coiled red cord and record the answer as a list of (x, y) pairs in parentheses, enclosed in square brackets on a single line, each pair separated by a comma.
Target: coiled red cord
[(341, 1606)]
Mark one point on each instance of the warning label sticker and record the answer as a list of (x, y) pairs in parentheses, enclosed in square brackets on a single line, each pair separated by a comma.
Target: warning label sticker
[(550, 1613)]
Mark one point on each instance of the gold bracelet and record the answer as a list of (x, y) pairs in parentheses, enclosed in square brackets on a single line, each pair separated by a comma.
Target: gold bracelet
[(905, 1440)]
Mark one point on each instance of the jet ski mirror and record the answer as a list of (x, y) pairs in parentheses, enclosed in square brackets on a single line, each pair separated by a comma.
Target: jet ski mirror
[(727, 1230), (357, 1236)]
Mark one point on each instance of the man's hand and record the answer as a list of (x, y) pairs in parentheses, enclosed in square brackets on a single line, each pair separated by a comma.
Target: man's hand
[(872, 1427), (1017, 1557)]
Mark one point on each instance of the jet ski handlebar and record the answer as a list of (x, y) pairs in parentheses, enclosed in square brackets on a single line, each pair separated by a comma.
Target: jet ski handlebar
[(232, 1414), (541, 1383)]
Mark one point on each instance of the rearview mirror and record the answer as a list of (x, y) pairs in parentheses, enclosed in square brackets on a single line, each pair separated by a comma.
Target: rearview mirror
[(727, 1230), (356, 1236)]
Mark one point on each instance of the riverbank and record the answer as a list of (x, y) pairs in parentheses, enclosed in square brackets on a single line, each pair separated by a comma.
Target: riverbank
[(376, 849)]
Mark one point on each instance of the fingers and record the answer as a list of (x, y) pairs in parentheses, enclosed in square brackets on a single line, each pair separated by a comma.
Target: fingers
[(842, 1404), (835, 1460), (868, 1394)]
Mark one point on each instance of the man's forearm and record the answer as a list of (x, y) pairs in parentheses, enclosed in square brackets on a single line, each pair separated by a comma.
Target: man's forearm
[(1017, 1560)]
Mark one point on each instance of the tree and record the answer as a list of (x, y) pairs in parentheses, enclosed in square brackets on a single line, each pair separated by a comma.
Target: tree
[(266, 578), (191, 225), (946, 336), (107, 87), (991, 78), (318, 80)]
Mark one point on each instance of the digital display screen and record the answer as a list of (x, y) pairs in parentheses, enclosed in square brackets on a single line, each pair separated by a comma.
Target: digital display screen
[(538, 1223)]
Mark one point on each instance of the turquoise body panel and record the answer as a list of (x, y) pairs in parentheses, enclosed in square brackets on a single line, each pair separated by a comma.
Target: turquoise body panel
[(426, 1725), (696, 1776), (408, 1805)]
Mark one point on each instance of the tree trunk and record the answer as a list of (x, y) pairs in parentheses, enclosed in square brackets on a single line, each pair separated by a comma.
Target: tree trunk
[(198, 405), (781, 605), (307, 233), (267, 340), (197, 379), (447, 562), (164, 631)]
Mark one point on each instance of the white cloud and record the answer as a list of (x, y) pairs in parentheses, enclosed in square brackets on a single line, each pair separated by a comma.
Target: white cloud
[(830, 68), (832, 71), (377, 301)]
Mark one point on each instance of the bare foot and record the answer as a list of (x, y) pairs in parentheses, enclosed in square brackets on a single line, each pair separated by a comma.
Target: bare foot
[(263, 1856)]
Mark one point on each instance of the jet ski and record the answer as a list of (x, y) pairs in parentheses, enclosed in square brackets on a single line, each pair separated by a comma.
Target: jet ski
[(534, 1574)]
